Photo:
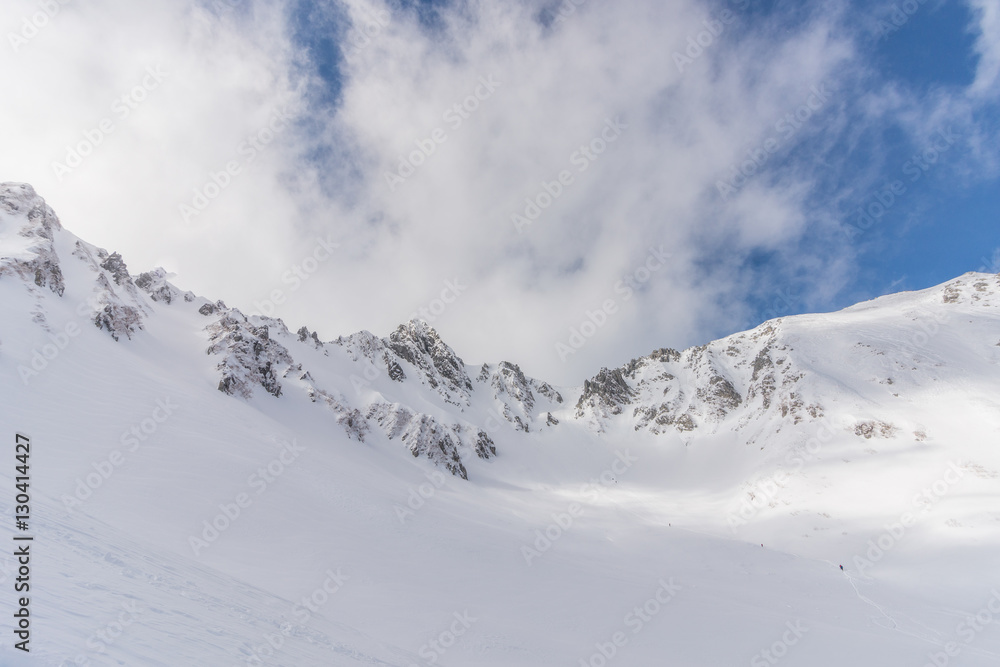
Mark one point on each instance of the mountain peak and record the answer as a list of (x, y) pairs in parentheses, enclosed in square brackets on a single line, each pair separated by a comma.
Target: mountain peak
[(27, 232)]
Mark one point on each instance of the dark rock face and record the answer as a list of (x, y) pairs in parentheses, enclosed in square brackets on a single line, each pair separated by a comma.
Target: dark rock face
[(513, 390), (425, 436), (250, 357), (607, 392), (350, 419), (311, 337), (721, 393), (418, 344), (154, 283), (665, 355), (114, 265), (41, 265), (212, 308), (396, 373), (510, 380), (762, 382), (485, 448), (118, 319), (546, 390)]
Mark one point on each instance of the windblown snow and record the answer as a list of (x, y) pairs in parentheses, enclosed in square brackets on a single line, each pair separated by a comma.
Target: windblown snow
[(211, 488)]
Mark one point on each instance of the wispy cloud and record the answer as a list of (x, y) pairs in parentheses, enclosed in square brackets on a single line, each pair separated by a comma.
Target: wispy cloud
[(415, 144)]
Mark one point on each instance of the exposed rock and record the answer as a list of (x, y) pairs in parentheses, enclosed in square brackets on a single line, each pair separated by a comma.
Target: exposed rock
[(484, 447), (38, 261), (606, 393), (874, 428), (350, 419), (548, 392), (305, 335), (422, 434), (250, 357), (212, 308), (155, 284), (512, 389), (394, 369), (418, 344)]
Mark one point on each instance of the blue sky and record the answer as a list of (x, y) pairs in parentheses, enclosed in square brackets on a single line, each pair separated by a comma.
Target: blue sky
[(826, 108), (948, 224)]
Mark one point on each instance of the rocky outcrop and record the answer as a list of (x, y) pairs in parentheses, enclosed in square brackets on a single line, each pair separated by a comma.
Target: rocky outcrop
[(112, 314), (154, 283), (422, 435), (116, 304), (311, 337), (350, 419), (425, 436), (604, 395), (418, 344), (250, 358), (33, 256)]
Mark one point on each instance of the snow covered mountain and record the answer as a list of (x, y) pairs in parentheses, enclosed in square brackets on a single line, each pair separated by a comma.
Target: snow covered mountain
[(242, 494)]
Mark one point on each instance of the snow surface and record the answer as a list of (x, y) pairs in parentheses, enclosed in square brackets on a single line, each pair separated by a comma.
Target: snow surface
[(729, 534)]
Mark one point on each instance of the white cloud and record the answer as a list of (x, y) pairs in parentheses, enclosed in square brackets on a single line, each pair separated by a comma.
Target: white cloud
[(987, 46), (655, 185)]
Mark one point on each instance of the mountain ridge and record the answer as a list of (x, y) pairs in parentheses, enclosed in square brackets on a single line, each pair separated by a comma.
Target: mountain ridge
[(744, 376), (213, 467)]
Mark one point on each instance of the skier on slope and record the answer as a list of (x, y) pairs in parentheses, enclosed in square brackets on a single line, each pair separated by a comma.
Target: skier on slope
[(841, 568)]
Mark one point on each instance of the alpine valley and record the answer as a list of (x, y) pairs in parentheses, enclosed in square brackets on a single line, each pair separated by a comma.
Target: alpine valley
[(212, 488)]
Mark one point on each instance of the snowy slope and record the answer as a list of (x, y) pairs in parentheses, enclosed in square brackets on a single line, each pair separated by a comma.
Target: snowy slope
[(437, 512)]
